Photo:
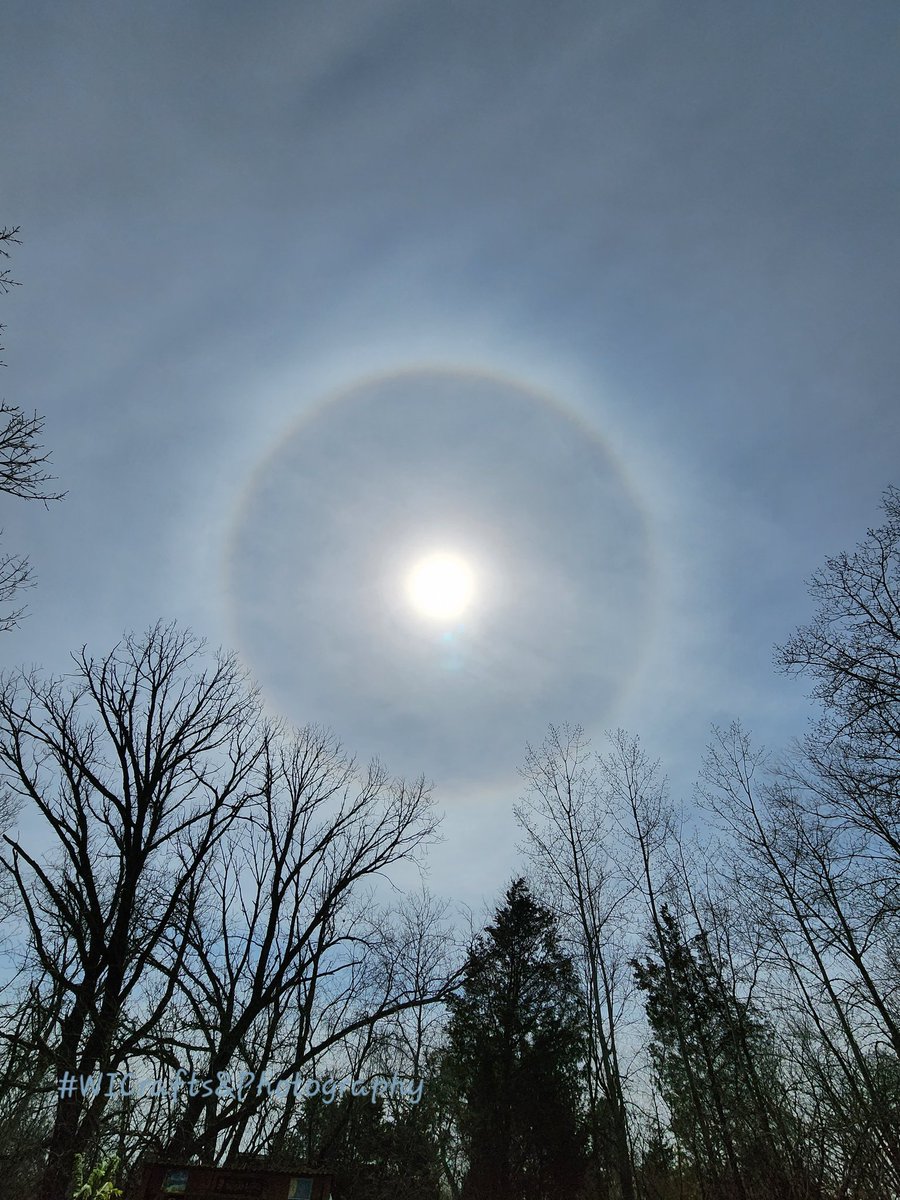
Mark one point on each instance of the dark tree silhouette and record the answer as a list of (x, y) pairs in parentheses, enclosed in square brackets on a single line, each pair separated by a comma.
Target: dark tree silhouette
[(21, 469), (573, 844), (196, 903), (373, 1155), (137, 765), (851, 650), (716, 1067), (516, 1047)]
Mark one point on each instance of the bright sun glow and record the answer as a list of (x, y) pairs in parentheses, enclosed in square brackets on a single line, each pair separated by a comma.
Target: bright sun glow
[(441, 586)]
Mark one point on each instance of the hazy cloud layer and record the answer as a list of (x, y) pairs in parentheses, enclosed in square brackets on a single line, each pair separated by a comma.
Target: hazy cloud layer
[(678, 220)]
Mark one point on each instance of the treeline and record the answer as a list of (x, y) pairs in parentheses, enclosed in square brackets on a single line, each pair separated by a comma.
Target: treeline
[(675, 1001)]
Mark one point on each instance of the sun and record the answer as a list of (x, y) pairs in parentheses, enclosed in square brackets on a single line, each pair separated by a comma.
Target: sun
[(441, 586)]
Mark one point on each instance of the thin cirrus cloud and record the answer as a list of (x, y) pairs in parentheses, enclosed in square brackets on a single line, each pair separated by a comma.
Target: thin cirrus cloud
[(413, 463), (677, 221)]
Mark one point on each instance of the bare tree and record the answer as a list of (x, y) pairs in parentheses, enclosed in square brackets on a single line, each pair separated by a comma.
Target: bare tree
[(646, 818), (138, 764), (804, 880), (287, 957), (571, 839), (21, 468), (840, 795), (851, 649), (7, 237)]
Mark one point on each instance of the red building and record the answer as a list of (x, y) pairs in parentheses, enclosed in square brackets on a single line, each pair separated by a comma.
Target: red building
[(167, 1180)]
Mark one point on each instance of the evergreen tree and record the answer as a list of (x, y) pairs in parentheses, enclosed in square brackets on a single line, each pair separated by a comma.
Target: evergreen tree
[(516, 1046), (716, 1068), (374, 1155)]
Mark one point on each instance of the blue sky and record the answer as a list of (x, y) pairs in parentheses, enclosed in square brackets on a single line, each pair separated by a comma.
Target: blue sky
[(607, 294)]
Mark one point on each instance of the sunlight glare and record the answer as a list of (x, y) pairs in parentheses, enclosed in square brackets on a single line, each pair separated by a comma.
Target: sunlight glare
[(440, 586)]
